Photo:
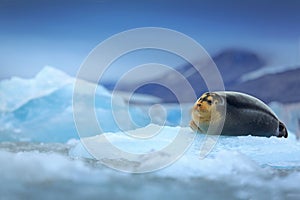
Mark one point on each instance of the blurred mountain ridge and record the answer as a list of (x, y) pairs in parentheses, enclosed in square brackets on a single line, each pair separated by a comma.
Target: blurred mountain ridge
[(233, 64)]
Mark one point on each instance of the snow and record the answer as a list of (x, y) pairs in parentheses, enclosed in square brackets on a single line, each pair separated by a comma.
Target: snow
[(274, 152), (267, 70), (42, 157), (237, 168)]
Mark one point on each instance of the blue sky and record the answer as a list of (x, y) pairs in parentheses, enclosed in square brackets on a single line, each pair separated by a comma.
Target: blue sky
[(35, 33)]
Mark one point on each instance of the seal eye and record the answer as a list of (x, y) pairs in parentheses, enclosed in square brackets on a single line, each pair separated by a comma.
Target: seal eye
[(209, 102)]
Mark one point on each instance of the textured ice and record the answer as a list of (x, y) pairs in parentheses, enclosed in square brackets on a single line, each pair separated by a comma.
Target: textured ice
[(237, 168), (17, 91), (243, 167), (289, 114), (274, 152), (40, 110)]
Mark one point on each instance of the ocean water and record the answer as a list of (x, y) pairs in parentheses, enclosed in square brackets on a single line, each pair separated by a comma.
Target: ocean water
[(42, 156)]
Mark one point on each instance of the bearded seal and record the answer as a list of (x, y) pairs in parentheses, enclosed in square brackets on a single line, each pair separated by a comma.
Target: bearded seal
[(242, 115)]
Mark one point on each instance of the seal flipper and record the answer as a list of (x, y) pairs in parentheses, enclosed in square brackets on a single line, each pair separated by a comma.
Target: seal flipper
[(282, 130)]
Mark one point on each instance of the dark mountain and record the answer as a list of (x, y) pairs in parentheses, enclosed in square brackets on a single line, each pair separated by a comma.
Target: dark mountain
[(232, 64), (282, 87)]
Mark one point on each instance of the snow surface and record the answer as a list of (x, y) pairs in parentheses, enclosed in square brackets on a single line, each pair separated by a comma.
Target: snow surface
[(267, 70), (35, 113), (237, 168), (274, 152)]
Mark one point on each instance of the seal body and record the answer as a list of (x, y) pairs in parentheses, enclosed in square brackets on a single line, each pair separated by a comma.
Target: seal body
[(235, 114)]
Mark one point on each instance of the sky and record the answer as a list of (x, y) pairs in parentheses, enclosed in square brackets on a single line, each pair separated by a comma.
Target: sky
[(36, 33)]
